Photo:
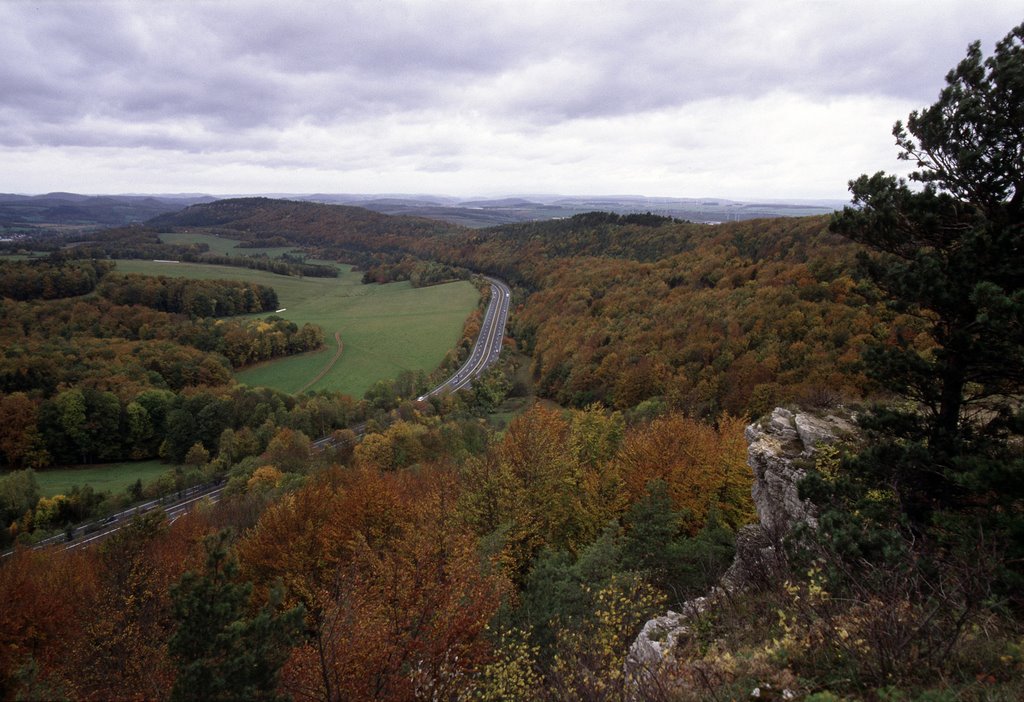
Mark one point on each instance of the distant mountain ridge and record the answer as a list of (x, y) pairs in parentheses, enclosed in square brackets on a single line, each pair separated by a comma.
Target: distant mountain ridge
[(76, 210), (486, 212)]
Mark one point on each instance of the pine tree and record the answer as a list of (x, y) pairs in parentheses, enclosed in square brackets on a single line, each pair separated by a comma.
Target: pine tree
[(949, 248), (943, 466), (223, 650)]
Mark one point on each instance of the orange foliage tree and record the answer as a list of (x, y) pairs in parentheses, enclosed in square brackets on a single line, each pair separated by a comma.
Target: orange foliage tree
[(42, 596), (555, 481), (93, 624), (396, 594), (703, 466), (529, 490), (121, 651)]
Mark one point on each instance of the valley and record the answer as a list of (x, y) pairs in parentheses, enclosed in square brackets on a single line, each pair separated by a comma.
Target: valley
[(520, 448), (386, 329)]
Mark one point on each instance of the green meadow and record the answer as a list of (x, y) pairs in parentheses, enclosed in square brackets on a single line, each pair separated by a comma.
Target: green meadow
[(221, 246), (384, 329), (110, 477)]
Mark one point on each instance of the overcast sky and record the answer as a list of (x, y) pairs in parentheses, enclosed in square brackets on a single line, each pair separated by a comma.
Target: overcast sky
[(744, 99)]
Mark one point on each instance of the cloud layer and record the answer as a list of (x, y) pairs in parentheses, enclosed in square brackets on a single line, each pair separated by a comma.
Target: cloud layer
[(734, 98)]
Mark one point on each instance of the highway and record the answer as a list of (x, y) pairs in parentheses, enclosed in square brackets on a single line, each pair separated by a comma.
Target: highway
[(174, 508), (174, 505), (485, 353), (488, 344)]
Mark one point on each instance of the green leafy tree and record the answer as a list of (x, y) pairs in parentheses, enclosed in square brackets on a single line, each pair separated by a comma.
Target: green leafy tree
[(19, 493), (157, 404), (226, 448), (289, 450), (140, 429), (556, 592), (197, 456), (223, 650), (104, 426), (71, 408), (491, 388), (655, 544), (180, 435)]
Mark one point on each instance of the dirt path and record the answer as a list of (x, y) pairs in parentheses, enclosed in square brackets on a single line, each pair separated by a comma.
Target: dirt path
[(326, 369)]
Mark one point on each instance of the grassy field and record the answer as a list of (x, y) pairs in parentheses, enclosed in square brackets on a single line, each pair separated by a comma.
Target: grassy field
[(385, 329), (220, 245), (110, 477)]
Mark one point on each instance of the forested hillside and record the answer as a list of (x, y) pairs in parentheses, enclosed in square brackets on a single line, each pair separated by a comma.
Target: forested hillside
[(737, 317), (635, 309), (309, 224)]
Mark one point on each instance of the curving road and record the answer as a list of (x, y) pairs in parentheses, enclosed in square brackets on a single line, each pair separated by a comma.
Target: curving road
[(488, 345)]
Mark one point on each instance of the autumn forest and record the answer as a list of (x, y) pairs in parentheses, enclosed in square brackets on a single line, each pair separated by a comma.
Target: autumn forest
[(509, 541)]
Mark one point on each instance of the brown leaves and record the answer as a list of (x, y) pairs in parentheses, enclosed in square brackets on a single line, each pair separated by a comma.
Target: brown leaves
[(41, 598), (93, 623), (390, 579), (703, 467)]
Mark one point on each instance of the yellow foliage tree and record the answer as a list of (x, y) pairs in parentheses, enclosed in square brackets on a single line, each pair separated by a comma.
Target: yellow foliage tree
[(397, 447), (264, 478), (588, 660)]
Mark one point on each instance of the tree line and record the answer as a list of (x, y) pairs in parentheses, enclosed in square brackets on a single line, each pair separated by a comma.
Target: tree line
[(83, 425), (418, 272), (195, 298), (127, 347), (144, 243), (48, 280)]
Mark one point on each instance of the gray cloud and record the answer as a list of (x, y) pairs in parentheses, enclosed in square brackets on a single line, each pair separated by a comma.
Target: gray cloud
[(441, 84)]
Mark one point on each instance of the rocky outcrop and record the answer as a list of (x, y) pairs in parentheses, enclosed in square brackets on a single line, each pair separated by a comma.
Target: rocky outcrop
[(780, 448), (656, 641)]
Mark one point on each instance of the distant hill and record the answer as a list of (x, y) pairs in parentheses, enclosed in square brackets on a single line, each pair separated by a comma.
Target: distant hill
[(72, 210), (304, 223)]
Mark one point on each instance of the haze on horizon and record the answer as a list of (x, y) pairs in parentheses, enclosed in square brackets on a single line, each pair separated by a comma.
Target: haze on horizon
[(741, 99)]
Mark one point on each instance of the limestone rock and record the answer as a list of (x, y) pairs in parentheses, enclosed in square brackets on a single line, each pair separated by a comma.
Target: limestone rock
[(757, 562), (659, 635), (779, 449)]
